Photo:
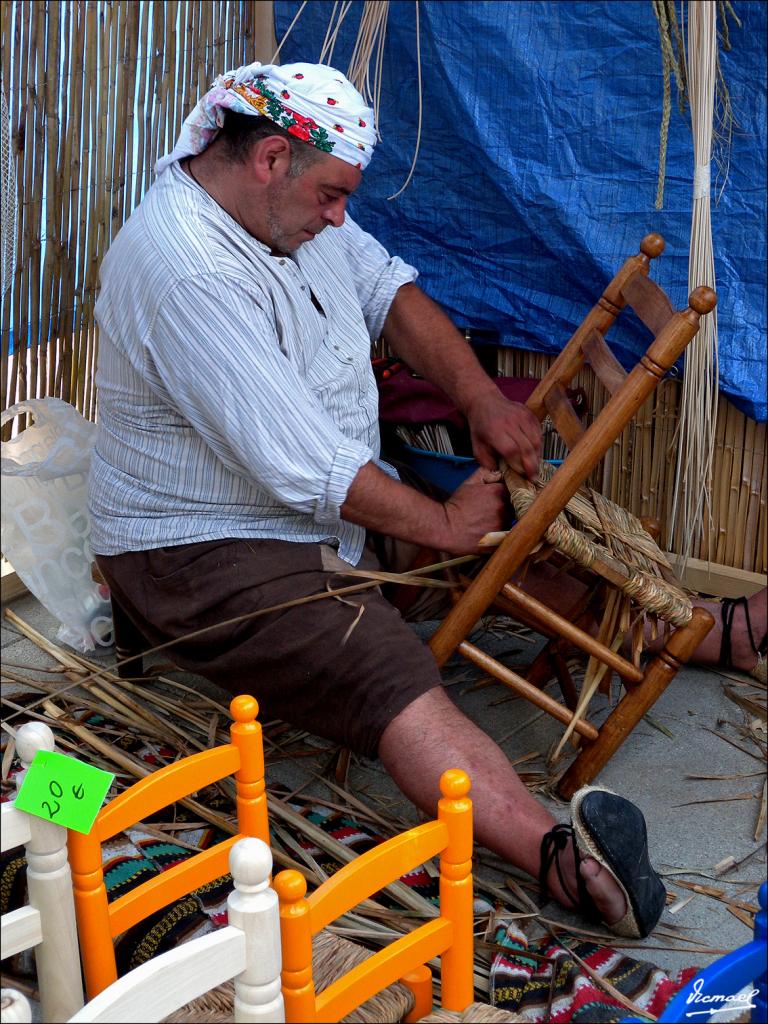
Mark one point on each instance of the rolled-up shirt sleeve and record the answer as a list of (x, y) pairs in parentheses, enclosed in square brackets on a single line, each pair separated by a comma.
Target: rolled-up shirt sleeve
[(376, 274), (223, 371)]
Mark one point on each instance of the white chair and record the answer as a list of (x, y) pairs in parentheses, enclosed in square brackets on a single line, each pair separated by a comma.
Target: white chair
[(47, 923), (247, 950), (15, 1008)]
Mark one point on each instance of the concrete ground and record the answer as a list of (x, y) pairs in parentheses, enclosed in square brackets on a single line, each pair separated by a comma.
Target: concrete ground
[(701, 794)]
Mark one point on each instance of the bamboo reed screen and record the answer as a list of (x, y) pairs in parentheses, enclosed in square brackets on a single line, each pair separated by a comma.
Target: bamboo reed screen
[(639, 471), (96, 92)]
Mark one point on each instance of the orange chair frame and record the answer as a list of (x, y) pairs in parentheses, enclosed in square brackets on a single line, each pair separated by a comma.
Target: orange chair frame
[(99, 921), (449, 936)]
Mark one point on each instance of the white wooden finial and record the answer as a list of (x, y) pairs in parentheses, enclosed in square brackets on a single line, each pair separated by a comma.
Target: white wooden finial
[(253, 908), (14, 1007), (250, 861), (31, 737)]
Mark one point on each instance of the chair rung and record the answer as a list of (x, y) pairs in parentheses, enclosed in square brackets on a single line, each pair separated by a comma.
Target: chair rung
[(648, 301), (560, 626), (604, 363), (559, 407), (525, 689)]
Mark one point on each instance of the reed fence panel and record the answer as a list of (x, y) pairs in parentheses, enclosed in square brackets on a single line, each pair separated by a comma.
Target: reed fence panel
[(639, 470), (96, 92)]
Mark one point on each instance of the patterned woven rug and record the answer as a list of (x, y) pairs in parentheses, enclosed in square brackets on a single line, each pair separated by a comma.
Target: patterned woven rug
[(544, 982)]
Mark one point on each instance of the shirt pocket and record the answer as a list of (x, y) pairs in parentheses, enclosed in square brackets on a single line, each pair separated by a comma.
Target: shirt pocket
[(336, 369)]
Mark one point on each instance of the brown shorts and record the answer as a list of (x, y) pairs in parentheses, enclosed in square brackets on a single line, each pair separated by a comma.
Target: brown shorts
[(322, 666)]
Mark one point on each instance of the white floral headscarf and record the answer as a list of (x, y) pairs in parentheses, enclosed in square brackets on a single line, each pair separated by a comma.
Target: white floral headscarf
[(314, 102)]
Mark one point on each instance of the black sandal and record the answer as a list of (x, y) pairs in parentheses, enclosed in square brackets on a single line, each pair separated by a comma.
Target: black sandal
[(552, 845), (612, 831), (727, 615)]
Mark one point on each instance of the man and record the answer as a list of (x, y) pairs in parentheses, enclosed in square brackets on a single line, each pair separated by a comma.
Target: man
[(237, 464)]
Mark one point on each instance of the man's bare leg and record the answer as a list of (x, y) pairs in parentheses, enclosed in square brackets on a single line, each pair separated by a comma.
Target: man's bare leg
[(431, 735)]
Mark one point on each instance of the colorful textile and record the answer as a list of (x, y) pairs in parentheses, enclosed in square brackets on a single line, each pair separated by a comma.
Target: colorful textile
[(313, 102), (542, 982)]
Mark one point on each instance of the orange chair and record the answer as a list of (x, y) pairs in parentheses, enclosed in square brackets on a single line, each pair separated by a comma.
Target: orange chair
[(450, 935), (99, 921)]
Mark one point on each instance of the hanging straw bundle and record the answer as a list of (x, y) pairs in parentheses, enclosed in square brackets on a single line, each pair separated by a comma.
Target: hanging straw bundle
[(698, 412)]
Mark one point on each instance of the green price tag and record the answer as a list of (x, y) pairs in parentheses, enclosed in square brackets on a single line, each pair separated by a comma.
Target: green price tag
[(64, 790)]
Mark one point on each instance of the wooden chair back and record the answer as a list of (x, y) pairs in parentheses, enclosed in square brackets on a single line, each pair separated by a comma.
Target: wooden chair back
[(47, 923), (99, 921), (672, 332), (449, 935), (247, 950)]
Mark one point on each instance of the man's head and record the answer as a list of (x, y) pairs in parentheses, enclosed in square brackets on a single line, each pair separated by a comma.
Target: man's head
[(288, 191), (296, 137)]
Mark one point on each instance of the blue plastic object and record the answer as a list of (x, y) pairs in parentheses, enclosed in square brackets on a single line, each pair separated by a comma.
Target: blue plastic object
[(711, 988), (537, 166), (445, 471)]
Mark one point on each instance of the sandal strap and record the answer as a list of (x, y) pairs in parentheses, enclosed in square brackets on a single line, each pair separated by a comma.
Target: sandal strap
[(553, 843), (727, 614)]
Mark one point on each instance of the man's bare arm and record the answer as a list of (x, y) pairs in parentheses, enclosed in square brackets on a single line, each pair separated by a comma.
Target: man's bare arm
[(379, 503), (424, 337)]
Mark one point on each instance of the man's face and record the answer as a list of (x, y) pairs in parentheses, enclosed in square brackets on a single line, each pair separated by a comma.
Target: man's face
[(300, 208)]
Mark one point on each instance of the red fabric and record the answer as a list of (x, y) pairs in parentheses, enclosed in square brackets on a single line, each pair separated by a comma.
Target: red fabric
[(405, 399)]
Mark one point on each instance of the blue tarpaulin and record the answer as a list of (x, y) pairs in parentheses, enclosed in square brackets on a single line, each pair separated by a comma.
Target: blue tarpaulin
[(536, 174)]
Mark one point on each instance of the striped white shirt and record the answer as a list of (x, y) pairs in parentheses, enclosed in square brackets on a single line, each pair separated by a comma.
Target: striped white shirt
[(229, 404)]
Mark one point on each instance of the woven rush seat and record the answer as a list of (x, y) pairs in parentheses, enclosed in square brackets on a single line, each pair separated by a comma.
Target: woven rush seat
[(599, 535), (332, 957), (475, 1012)]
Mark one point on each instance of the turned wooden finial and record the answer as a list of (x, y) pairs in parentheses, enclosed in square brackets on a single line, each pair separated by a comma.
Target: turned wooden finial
[(702, 300), (652, 246), (244, 708), (31, 737), (250, 864), (454, 784), (290, 886)]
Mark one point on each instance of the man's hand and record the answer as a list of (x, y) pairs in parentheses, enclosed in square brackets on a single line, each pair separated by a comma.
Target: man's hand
[(474, 509), (500, 428)]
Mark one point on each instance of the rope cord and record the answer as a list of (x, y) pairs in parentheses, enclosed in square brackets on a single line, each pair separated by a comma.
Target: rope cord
[(288, 31), (672, 60), (405, 184)]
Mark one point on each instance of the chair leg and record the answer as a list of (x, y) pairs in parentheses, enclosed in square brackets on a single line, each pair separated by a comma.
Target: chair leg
[(637, 700), (419, 982), (129, 643)]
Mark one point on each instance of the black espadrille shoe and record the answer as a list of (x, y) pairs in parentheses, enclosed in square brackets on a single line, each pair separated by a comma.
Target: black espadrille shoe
[(612, 830)]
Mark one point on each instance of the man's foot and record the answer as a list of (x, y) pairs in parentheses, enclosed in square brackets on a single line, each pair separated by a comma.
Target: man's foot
[(600, 864), (737, 635), (606, 893)]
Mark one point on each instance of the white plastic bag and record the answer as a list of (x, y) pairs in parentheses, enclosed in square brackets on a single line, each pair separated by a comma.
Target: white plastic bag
[(45, 524)]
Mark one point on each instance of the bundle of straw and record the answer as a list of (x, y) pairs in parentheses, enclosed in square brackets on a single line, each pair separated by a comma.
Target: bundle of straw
[(698, 410)]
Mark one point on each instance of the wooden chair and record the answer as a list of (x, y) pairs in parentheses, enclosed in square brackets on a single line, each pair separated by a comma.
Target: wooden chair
[(246, 950), (47, 924), (543, 516), (15, 1008), (99, 921), (449, 935)]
